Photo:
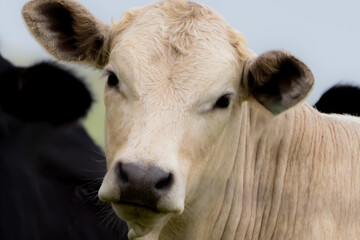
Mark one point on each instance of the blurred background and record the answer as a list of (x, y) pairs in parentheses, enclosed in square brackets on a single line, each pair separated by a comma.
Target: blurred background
[(323, 33)]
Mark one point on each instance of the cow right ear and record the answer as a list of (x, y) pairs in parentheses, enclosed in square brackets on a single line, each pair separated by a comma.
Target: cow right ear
[(278, 80), (68, 31)]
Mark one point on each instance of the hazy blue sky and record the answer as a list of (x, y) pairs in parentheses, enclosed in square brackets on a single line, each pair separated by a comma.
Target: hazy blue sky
[(323, 33)]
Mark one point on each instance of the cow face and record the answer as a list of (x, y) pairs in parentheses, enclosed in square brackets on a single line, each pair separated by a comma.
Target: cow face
[(177, 77)]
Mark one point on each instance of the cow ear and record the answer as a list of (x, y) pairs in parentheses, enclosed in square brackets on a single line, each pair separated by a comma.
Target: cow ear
[(68, 31), (5, 65), (278, 80)]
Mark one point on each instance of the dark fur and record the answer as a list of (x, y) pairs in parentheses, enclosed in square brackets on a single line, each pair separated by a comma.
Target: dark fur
[(50, 169), (342, 99), (43, 92)]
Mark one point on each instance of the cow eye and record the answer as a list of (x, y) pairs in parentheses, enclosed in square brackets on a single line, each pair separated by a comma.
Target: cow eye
[(112, 81), (222, 102)]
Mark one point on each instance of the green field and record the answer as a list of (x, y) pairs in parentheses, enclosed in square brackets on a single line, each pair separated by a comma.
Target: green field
[(94, 122)]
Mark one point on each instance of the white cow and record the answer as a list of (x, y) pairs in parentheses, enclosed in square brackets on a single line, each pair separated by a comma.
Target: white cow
[(204, 140)]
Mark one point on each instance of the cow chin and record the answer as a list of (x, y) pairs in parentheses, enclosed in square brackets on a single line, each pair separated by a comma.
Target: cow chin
[(143, 223)]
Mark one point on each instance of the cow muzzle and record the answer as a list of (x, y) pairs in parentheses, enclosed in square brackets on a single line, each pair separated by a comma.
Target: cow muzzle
[(132, 187), (143, 187)]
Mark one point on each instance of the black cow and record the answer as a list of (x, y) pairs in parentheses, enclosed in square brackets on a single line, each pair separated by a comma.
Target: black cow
[(341, 99), (50, 169)]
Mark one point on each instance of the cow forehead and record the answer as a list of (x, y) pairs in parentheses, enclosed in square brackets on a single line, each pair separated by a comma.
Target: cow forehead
[(182, 47)]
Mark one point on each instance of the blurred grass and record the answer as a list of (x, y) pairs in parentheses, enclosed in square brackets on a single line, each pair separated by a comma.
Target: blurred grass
[(94, 122)]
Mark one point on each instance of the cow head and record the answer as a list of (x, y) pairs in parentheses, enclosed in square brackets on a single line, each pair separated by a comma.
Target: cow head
[(44, 92), (177, 78)]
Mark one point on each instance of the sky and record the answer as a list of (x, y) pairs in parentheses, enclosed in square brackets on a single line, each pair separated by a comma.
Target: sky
[(325, 34)]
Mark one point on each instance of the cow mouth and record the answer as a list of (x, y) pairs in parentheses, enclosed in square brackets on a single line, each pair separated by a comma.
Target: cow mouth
[(141, 219), (138, 205), (141, 215)]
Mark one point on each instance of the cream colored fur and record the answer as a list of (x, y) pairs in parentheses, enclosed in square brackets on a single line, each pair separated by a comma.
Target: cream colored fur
[(240, 172)]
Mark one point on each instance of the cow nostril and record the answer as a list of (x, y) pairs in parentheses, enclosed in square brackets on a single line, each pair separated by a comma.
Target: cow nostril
[(123, 176), (165, 183)]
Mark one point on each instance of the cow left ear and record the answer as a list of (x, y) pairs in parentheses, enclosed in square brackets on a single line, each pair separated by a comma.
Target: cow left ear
[(278, 80), (68, 31)]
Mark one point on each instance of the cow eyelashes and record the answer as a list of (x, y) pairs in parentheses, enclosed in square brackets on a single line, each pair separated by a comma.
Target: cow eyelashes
[(222, 102), (112, 81)]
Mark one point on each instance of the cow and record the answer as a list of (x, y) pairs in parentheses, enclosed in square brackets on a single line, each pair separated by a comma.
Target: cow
[(340, 99), (203, 138), (50, 168)]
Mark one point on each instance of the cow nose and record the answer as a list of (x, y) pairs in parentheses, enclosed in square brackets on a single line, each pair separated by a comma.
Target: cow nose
[(143, 186)]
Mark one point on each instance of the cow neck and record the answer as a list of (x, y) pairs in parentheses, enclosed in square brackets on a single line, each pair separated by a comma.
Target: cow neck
[(243, 200), (259, 172), (255, 188)]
